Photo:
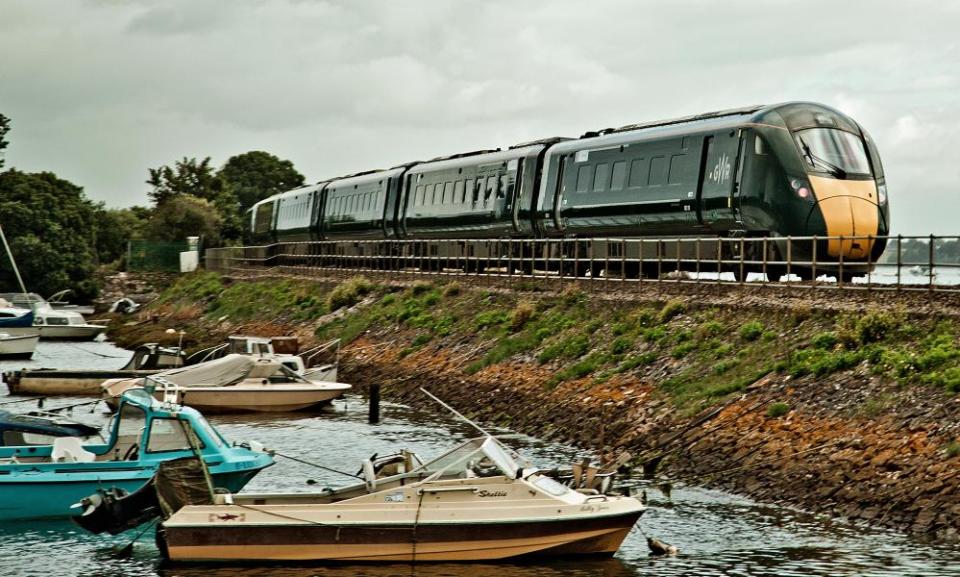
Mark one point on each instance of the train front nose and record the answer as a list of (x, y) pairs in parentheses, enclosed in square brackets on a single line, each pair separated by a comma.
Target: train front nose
[(849, 209)]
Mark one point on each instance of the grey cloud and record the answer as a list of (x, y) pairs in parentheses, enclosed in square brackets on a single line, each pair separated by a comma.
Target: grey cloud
[(99, 91)]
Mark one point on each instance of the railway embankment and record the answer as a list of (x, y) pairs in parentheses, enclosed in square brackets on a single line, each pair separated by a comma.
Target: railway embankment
[(848, 406)]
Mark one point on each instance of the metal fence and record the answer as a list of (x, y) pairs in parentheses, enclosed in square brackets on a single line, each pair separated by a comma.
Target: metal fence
[(909, 263)]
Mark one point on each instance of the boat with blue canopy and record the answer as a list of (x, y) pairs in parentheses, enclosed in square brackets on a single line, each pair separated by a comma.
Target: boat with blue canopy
[(36, 428), (44, 481)]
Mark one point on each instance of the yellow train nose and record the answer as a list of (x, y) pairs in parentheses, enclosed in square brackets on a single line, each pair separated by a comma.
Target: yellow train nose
[(849, 208)]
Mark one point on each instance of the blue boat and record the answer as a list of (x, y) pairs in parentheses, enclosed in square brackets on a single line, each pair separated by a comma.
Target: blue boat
[(40, 429), (15, 318), (44, 481)]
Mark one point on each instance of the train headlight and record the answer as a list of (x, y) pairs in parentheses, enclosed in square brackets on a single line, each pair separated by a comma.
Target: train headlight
[(882, 193), (802, 188)]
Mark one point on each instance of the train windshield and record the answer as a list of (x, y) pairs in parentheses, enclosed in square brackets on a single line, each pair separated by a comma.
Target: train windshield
[(834, 151)]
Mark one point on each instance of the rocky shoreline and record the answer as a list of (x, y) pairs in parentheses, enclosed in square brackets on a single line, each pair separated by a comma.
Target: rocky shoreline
[(849, 441)]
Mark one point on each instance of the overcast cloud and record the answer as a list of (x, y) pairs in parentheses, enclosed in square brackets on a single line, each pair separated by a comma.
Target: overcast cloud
[(99, 91)]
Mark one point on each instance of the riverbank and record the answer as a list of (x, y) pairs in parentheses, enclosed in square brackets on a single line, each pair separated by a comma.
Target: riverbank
[(851, 411)]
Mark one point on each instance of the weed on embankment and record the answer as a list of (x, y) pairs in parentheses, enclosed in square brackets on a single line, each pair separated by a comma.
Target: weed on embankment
[(695, 356)]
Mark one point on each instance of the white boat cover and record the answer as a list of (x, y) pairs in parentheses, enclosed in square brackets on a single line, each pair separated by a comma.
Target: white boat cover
[(216, 373)]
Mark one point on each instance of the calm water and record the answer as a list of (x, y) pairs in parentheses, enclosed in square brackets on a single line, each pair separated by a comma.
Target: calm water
[(718, 534)]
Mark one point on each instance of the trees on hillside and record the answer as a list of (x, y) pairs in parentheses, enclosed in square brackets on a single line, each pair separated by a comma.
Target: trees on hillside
[(255, 175), (52, 230), (185, 215)]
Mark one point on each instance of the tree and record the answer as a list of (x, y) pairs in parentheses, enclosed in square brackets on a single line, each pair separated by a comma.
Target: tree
[(187, 176), (52, 231), (185, 215), (255, 175), (115, 228), (4, 129)]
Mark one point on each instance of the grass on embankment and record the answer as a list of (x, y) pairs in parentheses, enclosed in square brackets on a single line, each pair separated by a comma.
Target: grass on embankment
[(694, 356)]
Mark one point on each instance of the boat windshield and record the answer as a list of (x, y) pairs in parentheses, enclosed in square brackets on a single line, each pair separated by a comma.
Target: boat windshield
[(834, 151), (483, 453)]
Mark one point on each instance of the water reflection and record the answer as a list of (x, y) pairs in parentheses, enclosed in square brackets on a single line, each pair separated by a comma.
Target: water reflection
[(718, 534)]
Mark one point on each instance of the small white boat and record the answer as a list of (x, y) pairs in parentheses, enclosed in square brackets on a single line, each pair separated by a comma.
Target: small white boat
[(17, 346), (474, 503), (54, 323), (234, 383)]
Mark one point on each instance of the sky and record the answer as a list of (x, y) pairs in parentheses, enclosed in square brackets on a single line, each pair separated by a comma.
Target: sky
[(98, 91)]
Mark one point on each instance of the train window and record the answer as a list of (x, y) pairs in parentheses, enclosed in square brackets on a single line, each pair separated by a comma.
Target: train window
[(476, 191), (638, 173), (619, 177), (467, 189), (584, 177), (658, 169), (458, 195), (758, 147), (448, 193), (676, 169), (428, 195), (600, 176), (418, 196)]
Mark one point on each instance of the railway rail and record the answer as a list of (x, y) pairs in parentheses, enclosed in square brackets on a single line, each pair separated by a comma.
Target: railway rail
[(613, 262)]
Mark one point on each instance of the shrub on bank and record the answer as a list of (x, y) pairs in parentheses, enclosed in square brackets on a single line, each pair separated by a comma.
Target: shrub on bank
[(348, 293)]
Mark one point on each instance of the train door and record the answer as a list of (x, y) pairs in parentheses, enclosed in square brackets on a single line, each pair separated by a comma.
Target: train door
[(718, 199)]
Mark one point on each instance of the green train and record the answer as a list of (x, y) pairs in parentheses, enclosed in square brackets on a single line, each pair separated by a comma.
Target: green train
[(787, 170)]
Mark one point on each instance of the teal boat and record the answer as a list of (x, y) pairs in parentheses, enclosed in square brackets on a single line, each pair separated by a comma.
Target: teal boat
[(44, 481)]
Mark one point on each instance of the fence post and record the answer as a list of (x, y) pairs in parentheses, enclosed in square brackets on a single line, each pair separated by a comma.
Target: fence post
[(930, 273), (899, 259)]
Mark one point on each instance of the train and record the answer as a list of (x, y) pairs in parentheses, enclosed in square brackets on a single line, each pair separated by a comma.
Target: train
[(783, 171)]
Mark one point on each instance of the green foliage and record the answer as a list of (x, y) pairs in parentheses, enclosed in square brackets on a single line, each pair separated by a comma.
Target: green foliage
[(683, 349), (567, 348), (952, 449), (671, 309), (580, 368), (490, 318), (876, 325), (820, 362), (522, 313), (348, 293), (184, 215), (825, 340), (4, 129), (777, 410), (751, 331), (621, 345), (115, 228), (635, 361), (194, 184), (724, 366), (200, 287), (52, 230), (710, 329), (422, 340), (255, 175)]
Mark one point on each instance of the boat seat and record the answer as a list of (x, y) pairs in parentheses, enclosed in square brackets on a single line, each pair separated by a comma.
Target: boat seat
[(70, 450)]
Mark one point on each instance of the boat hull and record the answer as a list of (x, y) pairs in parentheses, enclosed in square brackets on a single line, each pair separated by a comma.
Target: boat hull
[(396, 543), (254, 400), (22, 498), (18, 347), (65, 382)]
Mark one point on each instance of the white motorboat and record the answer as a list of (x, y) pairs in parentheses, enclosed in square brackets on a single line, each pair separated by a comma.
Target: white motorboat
[(234, 383), (54, 323), (474, 503), (17, 346)]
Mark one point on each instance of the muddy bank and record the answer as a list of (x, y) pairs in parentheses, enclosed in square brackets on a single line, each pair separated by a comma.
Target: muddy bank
[(850, 410)]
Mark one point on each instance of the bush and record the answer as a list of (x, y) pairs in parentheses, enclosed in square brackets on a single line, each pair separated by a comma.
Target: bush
[(825, 341), (876, 325), (777, 410), (751, 331), (348, 293), (635, 361), (571, 348), (419, 287), (670, 310), (451, 290), (621, 345), (683, 349), (522, 313), (489, 319)]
